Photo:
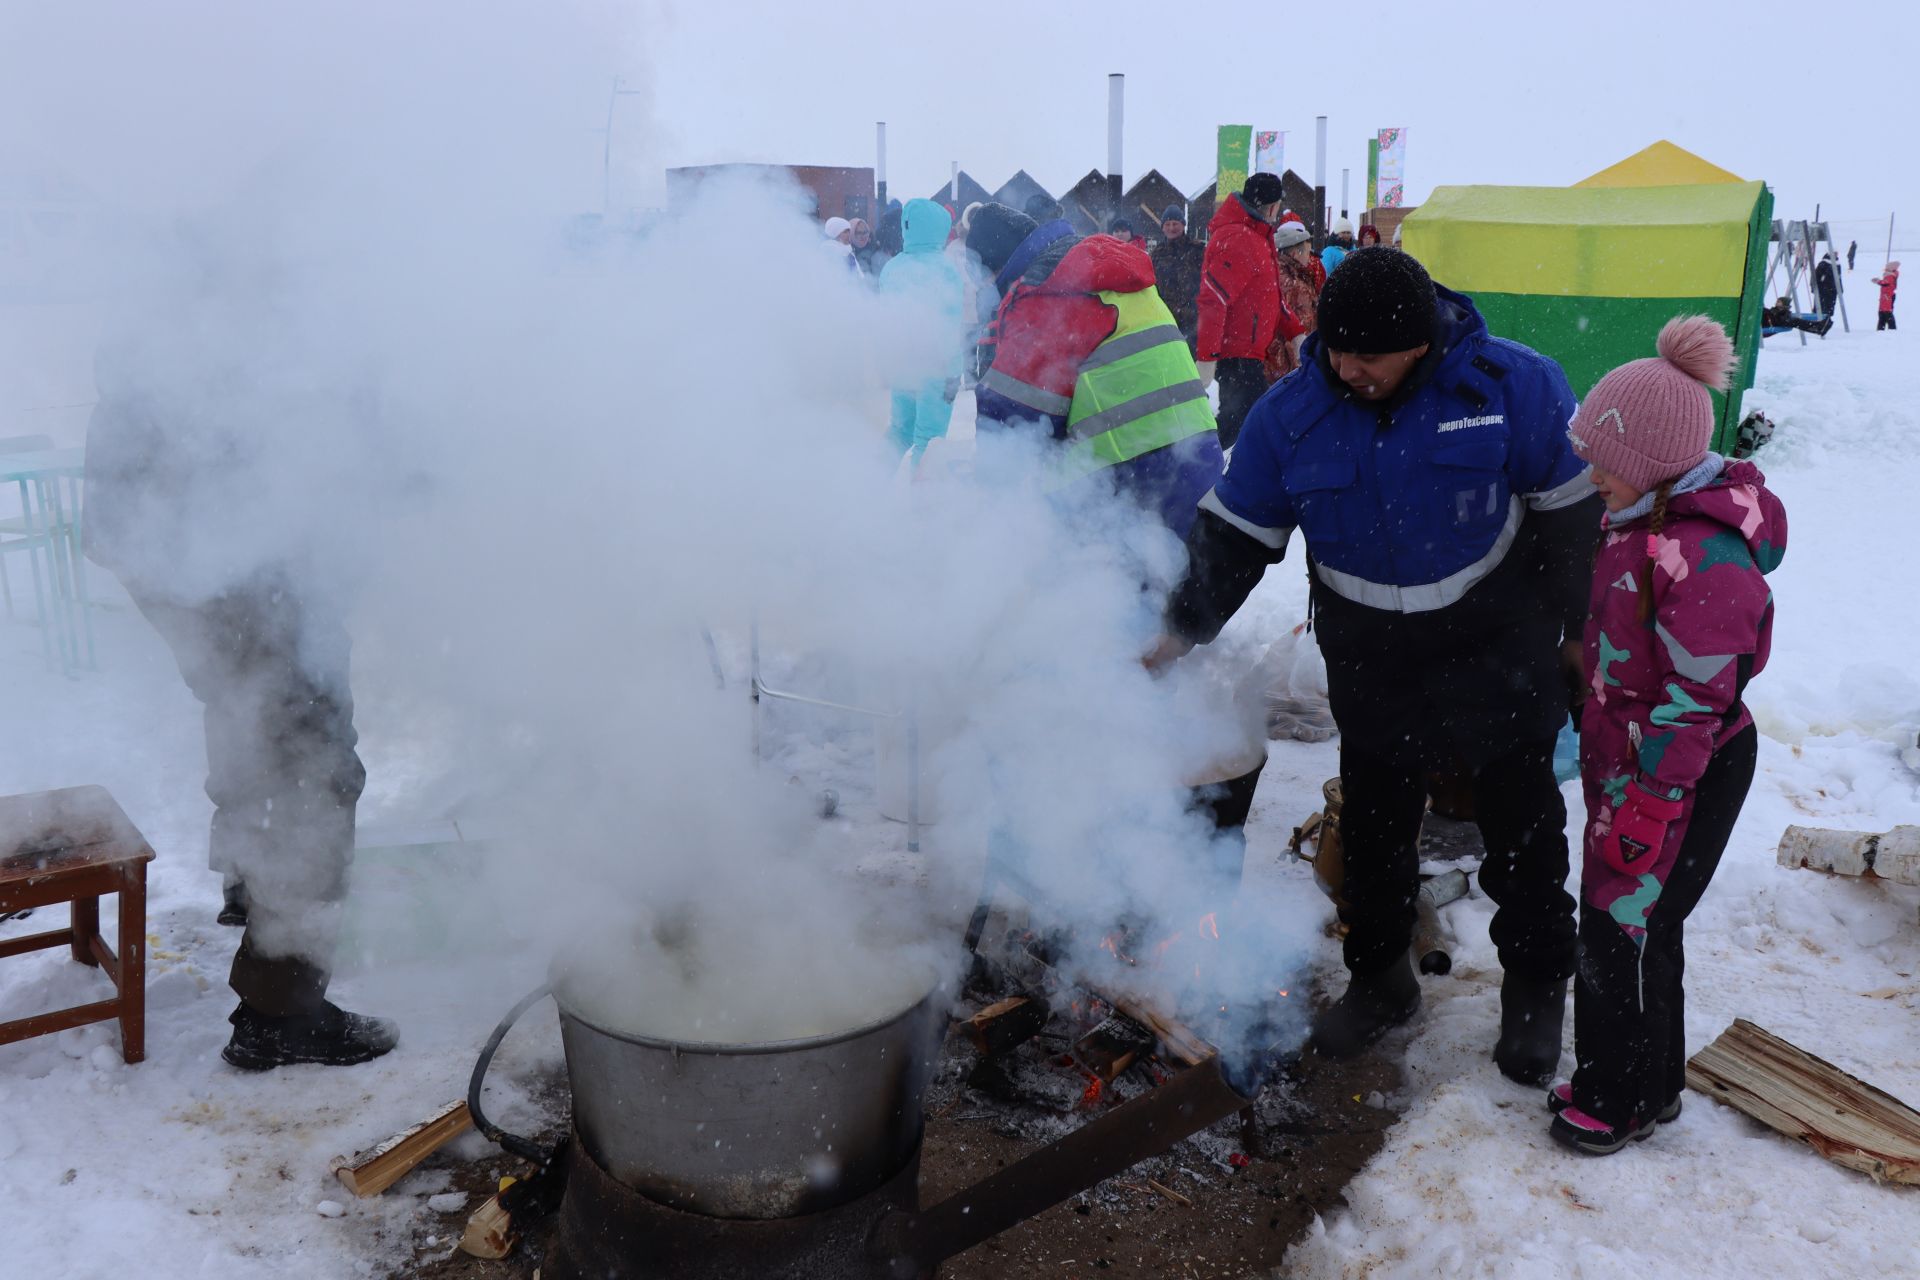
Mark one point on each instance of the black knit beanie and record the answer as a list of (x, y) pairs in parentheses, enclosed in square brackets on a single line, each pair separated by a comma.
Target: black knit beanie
[(995, 232), (1262, 189), (1377, 300)]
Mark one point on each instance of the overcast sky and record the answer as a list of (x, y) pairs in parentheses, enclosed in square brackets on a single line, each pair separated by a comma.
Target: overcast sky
[(146, 103), (1820, 100)]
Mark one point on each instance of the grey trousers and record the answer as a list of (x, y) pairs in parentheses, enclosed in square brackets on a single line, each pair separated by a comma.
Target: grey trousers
[(270, 668)]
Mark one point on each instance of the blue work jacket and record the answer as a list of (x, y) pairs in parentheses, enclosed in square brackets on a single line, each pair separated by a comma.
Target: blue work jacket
[(1407, 503)]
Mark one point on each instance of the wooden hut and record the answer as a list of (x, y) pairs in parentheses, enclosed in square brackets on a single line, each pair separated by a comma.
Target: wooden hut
[(971, 192), (1147, 199), (1086, 205), (1016, 192)]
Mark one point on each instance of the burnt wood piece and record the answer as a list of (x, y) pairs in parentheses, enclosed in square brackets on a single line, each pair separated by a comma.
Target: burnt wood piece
[(1028, 966), (1176, 1043), (1113, 1046), (1007, 1024), (914, 1243), (1786, 1088), (74, 845)]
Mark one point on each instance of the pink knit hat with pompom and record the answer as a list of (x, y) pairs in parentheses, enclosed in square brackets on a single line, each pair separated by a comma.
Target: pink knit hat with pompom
[(1651, 420)]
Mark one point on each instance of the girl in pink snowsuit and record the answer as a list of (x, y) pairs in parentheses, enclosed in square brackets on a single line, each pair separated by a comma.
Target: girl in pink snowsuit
[(1680, 620)]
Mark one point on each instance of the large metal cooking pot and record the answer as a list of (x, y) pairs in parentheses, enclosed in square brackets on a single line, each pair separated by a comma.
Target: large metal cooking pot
[(769, 1130)]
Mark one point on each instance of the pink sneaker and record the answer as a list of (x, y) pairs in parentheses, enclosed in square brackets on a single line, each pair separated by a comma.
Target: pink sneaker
[(1582, 1132), (1560, 1097)]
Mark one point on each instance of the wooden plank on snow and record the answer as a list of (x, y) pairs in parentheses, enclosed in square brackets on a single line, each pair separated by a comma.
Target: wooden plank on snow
[(1788, 1089)]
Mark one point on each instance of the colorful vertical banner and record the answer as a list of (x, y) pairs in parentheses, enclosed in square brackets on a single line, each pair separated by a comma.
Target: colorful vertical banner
[(1373, 173), (1236, 146), (1270, 152), (1393, 168)]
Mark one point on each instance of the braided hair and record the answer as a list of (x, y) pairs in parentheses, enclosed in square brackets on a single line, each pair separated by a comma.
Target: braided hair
[(1656, 522)]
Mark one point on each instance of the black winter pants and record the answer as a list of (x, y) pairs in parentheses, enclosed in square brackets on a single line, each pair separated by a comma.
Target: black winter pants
[(271, 672), (1886, 322), (1522, 819), (1241, 383), (1629, 1017)]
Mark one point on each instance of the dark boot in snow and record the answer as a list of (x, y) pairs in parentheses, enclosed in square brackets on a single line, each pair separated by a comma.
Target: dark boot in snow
[(233, 904), (1371, 1007), (1531, 1015), (332, 1038)]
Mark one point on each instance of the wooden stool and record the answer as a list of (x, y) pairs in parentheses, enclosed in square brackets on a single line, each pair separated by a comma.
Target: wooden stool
[(73, 845)]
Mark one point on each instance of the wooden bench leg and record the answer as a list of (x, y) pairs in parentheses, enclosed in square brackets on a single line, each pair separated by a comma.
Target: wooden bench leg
[(133, 963), (86, 925)]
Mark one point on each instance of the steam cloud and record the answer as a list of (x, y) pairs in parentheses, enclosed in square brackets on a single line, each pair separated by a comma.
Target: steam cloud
[(540, 464)]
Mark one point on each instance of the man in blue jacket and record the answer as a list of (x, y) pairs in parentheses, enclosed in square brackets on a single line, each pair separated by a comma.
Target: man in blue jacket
[(1449, 531)]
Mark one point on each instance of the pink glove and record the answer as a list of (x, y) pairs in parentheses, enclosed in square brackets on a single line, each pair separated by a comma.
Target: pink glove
[(1639, 830)]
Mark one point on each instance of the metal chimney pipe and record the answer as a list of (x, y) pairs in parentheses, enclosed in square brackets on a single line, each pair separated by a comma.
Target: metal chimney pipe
[(1320, 175), (880, 170), (953, 188), (1116, 121), (1345, 174)]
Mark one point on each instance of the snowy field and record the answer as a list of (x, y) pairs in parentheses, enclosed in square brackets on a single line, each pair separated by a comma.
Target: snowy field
[(182, 1166)]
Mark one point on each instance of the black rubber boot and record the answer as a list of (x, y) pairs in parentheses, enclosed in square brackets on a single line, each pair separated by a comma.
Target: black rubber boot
[(1531, 1015), (1371, 1007), (233, 904), (333, 1038)]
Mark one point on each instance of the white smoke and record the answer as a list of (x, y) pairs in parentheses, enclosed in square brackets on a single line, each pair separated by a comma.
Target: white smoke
[(542, 458)]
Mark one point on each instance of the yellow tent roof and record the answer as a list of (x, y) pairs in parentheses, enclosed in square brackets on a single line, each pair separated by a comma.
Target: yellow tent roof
[(1660, 165)]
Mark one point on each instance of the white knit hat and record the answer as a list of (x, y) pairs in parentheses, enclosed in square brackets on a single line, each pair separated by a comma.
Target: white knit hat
[(835, 228), (1289, 234)]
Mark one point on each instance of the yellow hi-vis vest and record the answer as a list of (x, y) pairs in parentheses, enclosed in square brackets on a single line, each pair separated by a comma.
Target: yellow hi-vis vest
[(1139, 390)]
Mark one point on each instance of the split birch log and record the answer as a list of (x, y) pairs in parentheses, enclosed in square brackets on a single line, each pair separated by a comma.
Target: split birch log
[(1886, 855), (374, 1171), (1786, 1088)]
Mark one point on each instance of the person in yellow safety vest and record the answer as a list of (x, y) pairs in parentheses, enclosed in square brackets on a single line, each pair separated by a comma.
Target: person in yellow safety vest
[(1086, 353)]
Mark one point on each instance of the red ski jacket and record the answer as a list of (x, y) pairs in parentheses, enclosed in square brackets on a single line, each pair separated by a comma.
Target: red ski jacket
[(1239, 286)]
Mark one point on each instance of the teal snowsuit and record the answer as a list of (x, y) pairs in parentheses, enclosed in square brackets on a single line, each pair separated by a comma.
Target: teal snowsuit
[(923, 272)]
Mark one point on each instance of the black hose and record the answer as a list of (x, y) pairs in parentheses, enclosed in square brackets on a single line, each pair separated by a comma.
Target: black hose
[(519, 1146)]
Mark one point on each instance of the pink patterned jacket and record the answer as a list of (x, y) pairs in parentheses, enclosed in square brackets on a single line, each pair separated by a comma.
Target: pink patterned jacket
[(1667, 693)]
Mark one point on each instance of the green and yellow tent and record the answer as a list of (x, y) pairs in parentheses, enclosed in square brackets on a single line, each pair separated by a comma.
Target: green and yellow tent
[(1588, 274)]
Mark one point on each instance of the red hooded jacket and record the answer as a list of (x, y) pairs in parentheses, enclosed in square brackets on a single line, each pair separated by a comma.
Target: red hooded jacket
[(1239, 286), (1046, 328)]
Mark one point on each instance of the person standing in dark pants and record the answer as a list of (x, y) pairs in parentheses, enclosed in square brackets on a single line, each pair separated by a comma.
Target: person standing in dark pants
[(1682, 620), (1450, 532), (1826, 282), (1241, 315), (183, 507)]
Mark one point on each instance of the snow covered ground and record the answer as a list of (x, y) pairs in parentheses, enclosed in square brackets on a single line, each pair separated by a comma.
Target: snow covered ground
[(182, 1166)]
